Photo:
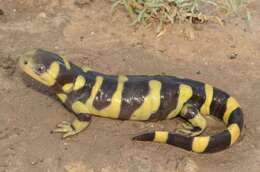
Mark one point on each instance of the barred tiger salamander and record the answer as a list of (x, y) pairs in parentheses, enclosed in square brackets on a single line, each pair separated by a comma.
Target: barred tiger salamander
[(144, 98)]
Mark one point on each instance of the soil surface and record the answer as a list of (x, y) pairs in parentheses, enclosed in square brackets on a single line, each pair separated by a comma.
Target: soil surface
[(89, 35)]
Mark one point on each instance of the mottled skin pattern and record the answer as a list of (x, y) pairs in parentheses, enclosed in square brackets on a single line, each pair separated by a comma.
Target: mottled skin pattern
[(146, 98)]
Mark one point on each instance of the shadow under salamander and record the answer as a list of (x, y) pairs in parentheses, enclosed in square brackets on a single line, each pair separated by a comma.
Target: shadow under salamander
[(37, 86)]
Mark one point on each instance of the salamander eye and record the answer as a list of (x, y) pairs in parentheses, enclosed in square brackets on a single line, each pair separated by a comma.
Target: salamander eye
[(40, 69)]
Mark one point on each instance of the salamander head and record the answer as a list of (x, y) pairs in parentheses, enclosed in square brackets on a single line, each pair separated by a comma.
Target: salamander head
[(48, 68)]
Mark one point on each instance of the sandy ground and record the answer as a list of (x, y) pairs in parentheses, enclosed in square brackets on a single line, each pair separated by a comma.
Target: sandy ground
[(227, 57)]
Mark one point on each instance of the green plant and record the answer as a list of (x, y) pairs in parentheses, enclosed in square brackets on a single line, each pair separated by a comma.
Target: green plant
[(170, 11)]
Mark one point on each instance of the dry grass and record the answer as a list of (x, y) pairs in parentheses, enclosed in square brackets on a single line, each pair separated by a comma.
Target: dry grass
[(163, 12)]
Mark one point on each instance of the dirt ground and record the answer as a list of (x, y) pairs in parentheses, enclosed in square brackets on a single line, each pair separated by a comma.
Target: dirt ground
[(227, 57)]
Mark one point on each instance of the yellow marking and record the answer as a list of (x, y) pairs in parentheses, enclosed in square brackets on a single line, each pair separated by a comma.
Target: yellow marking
[(185, 93), (66, 62), (161, 136), (199, 144), (28, 70), (151, 102), (79, 107), (51, 74), (205, 108), (112, 110), (94, 91), (86, 69), (62, 97), (199, 121), (54, 70), (67, 87), (79, 83), (232, 104), (234, 132)]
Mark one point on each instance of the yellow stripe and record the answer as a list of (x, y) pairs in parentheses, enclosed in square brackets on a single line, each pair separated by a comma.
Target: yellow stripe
[(232, 104), (151, 102), (161, 136), (54, 70), (94, 90), (79, 83), (111, 111), (67, 87), (205, 108), (86, 69), (51, 74), (199, 144), (80, 107), (66, 62), (234, 132), (79, 125), (62, 97), (185, 93)]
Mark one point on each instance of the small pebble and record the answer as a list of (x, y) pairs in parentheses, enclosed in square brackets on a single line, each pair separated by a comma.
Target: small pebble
[(233, 56), (37, 162), (1, 12), (198, 72), (77, 166), (233, 46), (81, 38), (138, 44), (162, 50), (42, 15)]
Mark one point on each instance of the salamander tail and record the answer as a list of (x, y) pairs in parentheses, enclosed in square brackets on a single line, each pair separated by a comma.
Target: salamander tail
[(201, 144)]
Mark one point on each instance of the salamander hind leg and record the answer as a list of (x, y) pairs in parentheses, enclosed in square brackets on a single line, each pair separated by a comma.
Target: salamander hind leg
[(78, 125), (195, 123)]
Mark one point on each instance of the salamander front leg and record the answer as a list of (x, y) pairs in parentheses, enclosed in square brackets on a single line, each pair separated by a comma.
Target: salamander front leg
[(195, 124), (81, 122)]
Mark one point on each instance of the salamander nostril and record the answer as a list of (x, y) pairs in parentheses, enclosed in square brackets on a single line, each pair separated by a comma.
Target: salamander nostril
[(25, 62)]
